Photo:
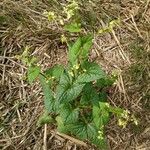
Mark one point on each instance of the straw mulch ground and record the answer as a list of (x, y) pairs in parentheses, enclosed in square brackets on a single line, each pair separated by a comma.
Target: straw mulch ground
[(125, 50)]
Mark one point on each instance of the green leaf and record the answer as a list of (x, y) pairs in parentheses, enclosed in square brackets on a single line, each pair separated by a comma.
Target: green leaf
[(73, 27), (60, 125), (80, 49), (74, 51), (68, 114), (105, 82), (102, 96), (86, 45), (66, 90), (89, 95), (44, 119), (33, 73), (96, 116), (116, 110), (100, 143), (55, 72), (80, 130), (100, 114), (92, 72), (49, 101), (87, 131)]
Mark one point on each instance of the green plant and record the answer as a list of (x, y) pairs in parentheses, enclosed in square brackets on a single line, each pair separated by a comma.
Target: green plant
[(74, 96)]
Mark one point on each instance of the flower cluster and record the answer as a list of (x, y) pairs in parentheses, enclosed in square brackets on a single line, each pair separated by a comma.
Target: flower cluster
[(71, 8), (100, 135), (125, 117)]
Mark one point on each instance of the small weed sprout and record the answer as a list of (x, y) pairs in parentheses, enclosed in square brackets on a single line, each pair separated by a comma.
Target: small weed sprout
[(74, 95), (71, 92)]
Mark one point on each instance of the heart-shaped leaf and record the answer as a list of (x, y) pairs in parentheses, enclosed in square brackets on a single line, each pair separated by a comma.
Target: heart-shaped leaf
[(69, 114), (89, 95), (80, 49), (92, 72), (100, 114), (33, 73), (67, 90), (88, 131), (73, 27), (55, 72), (49, 101)]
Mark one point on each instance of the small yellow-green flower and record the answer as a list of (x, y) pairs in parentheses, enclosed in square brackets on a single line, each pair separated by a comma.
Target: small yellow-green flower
[(107, 105), (70, 9), (71, 73), (100, 135), (50, 15), (50, 78), (134, 120), (125, 114), (77, 66), (114, 23), (122, 122), (63, 39), (84, 70), (61, 21), (100, 132)]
